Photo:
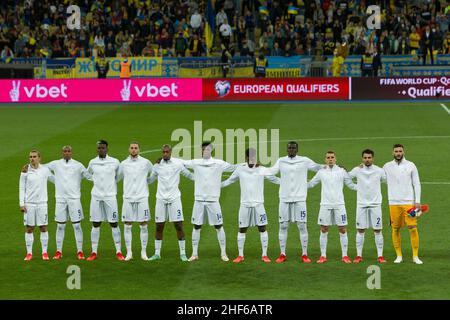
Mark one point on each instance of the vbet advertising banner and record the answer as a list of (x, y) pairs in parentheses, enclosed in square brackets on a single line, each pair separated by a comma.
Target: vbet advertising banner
[(104, 90), (239, 89)]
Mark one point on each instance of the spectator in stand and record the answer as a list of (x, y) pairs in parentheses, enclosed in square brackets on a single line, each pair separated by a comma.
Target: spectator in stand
[(225, 33), (196, 47), (6, 53), (276, 51), (414, 40), (427, 44), (196, 21), (148, 50)]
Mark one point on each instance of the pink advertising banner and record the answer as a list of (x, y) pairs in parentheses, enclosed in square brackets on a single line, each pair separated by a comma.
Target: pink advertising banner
[(104, 90)]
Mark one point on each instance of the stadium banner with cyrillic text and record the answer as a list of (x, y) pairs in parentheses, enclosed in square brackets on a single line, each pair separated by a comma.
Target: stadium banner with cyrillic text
[(215, 72), (101, 90), (274, 89), (140, 67), (401, 88)]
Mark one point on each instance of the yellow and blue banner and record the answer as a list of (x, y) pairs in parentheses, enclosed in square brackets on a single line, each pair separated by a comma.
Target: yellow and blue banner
[(292, 10), (140, 67), (263, 10)]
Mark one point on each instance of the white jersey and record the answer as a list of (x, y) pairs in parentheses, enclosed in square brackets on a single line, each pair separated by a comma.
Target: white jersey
[(369, 180), (104, 174), (252, 183), (168, 174), (333, 180), (294, 177), (208, 176), (134, 172), (68, 175), (403, 182), (33, 185)]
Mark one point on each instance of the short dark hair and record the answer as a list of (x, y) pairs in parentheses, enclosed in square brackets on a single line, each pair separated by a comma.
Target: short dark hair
[(368, 151), (293, 142), (247, 152), (331, 152), (166, 146), (102, 142), (205, 144), (135, 142), (398, 145)]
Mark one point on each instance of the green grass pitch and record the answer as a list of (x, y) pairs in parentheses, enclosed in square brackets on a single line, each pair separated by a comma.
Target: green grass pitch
[(424, 128)]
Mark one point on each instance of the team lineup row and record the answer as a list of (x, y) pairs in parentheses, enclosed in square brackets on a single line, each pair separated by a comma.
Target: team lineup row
[(138, 172)]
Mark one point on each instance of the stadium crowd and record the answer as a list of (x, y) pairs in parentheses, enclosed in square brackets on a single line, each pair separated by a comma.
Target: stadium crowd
[(32, 28)]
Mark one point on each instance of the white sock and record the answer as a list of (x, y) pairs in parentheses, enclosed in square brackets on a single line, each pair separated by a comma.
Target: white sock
[(222, 240), (323, 243), (144, 238), (29, 239), (379, 243), (158, 244), (117, 238), (78, 236), (282, 236), (195, 241), (359, 243), (264, 236), (95, 237), (44, 241), (60, 230), (303, 231), (344, 243), (127, 235), (182, 246), (241, 243)]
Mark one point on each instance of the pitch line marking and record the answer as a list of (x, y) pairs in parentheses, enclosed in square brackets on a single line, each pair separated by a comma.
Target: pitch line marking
[(445, 108), (325, 139)]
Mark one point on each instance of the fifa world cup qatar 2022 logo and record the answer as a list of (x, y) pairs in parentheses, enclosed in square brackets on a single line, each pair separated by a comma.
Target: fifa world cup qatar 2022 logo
[(222, 88)]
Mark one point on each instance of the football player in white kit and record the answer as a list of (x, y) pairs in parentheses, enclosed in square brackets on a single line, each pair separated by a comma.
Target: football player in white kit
[(251, 212), (68, 175), (208, 177), (368, 209), (332, 205), (135, 170), (33, 202), (168, 199), (293, 192), (104, 170)]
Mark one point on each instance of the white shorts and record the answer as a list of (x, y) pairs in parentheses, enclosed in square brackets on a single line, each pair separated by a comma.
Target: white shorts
[(252, 216), (68, 209), (168, 211), (330, 216), (135, 211), (104, 210), (369, 217), (213, 211), (36, 215), (292, 211)]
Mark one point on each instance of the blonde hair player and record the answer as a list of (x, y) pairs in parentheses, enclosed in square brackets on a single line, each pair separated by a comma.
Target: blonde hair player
[(33, 202)]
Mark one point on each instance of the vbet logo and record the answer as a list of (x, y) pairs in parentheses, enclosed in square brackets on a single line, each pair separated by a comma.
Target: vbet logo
[(222, 88), (149, 90), (38, 91)]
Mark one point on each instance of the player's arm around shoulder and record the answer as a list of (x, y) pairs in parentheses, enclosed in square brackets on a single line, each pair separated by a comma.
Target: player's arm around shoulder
[(348, 180), (228, 167), (49, 174), (232, 179), (313, 166), (185, 172), (315, 180)]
